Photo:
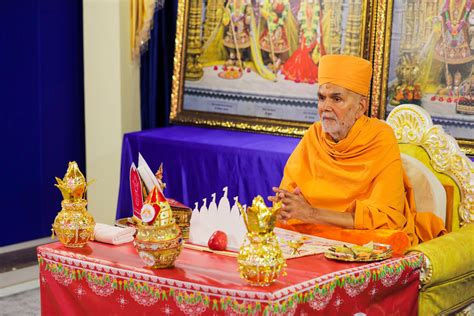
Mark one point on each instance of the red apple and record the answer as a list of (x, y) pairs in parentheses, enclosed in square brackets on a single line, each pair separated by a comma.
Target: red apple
[(218, 241)]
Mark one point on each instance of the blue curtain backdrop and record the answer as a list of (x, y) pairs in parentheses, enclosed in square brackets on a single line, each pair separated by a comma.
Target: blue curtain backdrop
[(42, 111), (156, 68)]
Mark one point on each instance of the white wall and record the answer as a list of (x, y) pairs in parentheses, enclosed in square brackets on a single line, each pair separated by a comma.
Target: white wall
[(112, 98)]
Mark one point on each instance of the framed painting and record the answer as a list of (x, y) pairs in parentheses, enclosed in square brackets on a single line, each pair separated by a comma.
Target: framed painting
[(253, 64), (424, 56)]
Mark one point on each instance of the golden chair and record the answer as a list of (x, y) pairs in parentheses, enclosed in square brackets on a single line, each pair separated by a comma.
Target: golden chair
[(447, 277)]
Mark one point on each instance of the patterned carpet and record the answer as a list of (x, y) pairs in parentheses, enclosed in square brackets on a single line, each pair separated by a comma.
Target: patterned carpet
[(24, 303)]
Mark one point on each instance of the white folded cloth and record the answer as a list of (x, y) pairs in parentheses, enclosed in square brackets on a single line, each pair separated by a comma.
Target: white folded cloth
[(113, 235)]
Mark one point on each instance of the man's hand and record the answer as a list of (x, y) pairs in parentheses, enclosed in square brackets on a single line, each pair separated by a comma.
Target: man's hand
[(294, 205)]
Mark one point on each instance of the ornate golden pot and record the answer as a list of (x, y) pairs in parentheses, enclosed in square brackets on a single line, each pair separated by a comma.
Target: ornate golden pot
[(260, 258), (73, 225), (159, 240), (158, 247)]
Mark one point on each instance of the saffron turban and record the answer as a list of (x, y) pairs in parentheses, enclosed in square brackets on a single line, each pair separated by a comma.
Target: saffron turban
[(350, 72)]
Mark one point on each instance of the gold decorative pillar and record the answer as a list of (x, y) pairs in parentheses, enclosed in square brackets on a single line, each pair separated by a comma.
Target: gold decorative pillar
[(410, 39), (193, 48), (352, 37), (333, 38), (214, 10), (428, 12), (419, 18)]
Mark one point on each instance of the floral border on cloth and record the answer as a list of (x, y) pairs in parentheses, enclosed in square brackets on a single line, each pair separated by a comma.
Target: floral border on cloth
[(146, 275), (199, 296)]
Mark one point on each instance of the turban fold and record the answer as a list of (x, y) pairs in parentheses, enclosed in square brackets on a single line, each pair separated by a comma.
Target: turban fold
[(350, 72)]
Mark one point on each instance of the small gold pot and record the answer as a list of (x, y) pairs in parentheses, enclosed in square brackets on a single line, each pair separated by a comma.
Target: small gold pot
[(260, 259), (73, 225), (158, 246)]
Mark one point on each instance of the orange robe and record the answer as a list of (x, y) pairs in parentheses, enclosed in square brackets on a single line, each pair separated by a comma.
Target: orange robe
[(361, 174)]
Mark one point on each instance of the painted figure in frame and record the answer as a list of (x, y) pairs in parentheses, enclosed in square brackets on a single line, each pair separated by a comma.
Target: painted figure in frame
[(434, 67), (278, 34), (277, 38), (232, 40), (302, 66), (259, 58)]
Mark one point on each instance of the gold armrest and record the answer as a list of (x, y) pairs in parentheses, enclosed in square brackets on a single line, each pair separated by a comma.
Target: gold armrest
[(426, 271)]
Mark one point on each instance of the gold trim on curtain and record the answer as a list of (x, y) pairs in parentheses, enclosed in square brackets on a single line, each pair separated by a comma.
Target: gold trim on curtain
[(141, 22)]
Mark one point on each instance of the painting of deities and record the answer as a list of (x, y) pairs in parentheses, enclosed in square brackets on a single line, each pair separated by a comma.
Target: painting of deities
[(431, 61), (260, 58)]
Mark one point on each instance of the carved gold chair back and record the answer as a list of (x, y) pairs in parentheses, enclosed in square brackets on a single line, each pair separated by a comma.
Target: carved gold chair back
[(427, 148)]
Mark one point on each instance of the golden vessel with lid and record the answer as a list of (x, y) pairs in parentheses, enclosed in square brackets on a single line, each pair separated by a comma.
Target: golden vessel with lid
[(73, 225), (159, 240), (260, 258)]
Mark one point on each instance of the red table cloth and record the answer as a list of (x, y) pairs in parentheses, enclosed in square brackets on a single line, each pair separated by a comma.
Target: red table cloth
[(101, 279)]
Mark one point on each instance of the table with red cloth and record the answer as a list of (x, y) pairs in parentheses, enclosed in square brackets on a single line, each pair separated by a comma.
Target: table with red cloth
[(101, 279)]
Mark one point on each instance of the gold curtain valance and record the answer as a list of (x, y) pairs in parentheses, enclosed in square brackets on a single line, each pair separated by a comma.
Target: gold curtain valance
[(141, 22)]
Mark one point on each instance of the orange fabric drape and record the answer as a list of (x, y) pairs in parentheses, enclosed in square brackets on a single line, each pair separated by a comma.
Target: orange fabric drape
[(362, 174)]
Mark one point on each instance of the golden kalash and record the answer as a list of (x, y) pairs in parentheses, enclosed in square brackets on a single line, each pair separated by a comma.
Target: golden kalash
[(73, 225), (260, 258)]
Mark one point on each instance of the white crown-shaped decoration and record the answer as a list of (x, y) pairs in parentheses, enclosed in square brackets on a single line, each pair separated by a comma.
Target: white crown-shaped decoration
[(207, 219)]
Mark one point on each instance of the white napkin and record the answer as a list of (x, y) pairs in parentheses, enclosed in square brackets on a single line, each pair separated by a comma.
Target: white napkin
[(113, 235)]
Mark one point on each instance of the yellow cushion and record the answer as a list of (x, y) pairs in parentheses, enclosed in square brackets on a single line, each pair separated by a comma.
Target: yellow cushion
[(451, 255), (447, 297)]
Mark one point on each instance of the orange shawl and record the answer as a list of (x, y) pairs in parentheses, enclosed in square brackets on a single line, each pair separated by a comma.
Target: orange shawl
[(361, 174)]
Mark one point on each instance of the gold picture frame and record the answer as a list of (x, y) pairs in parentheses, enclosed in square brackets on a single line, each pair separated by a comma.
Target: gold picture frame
[(257, 104), (423, 58)]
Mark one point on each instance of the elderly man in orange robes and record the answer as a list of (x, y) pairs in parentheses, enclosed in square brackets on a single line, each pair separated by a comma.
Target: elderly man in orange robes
[(345, 179)]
